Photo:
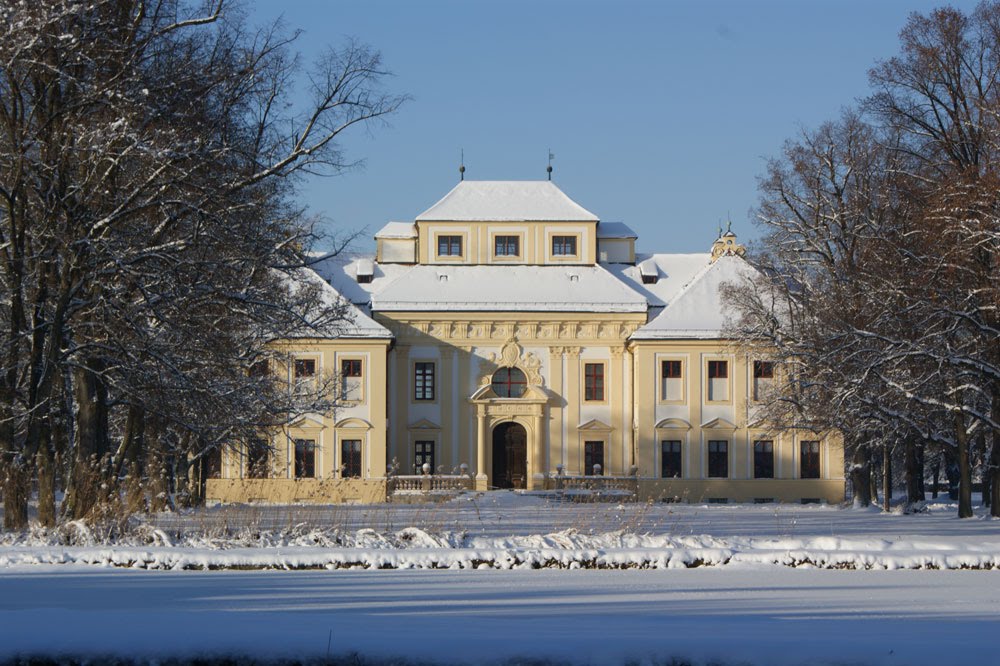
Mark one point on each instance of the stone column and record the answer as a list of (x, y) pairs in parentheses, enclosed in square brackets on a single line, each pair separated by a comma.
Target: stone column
[(537, 458), (482, 480)]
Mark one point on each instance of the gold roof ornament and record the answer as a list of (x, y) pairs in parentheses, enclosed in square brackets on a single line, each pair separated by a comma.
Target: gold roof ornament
[(726, 244)]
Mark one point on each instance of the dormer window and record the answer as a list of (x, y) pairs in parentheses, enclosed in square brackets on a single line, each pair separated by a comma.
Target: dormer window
[(649, 272), (563, 246), (507, 246), (365, 271), (449, 246)]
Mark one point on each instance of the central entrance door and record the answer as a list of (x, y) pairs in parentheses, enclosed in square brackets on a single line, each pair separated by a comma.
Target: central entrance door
[(510, 455)]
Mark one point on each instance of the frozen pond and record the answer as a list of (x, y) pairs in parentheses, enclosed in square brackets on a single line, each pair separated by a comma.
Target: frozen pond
[(763, 615)]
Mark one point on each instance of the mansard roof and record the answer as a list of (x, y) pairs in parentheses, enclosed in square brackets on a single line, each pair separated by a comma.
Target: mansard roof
[(508, 289), (506, 201), (697, 310)]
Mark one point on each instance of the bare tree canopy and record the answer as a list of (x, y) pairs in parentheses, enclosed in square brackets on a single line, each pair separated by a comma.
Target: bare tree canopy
[(149, 155), (882, 248)]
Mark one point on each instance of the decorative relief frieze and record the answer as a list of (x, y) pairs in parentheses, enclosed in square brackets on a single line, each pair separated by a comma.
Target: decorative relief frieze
[(505, 330)]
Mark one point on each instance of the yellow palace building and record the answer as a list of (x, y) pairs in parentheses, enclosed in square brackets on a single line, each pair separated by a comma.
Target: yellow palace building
[(507, 338)]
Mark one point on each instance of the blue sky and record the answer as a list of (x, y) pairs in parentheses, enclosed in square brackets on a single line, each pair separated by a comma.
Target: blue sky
[(660, 114)]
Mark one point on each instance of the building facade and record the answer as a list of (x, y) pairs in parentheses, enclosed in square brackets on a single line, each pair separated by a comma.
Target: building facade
[(509, 334)]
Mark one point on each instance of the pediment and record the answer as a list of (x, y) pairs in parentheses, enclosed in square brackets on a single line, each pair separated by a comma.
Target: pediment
[(673, 424), (354, 422), (308, 421), (532, 393), (595, 425), (718, 424), (424, 424)]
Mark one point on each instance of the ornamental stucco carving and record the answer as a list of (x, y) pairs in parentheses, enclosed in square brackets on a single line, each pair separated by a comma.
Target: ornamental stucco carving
[(512, 355)]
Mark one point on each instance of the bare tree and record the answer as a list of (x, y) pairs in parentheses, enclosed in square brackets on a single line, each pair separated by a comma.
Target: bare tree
[(150, 247)]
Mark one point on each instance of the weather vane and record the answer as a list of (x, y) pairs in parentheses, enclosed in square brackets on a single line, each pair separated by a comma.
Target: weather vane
[(552, 156)]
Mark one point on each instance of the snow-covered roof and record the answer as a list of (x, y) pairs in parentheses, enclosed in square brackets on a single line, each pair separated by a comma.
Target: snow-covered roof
[(697, 310), (506, 201), (615, 230), (397, 230), (674, 271), (341, 272), (357, 324), (509, 289)]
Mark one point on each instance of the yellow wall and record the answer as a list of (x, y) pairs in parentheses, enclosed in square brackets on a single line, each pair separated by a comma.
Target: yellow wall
[(363, 419), (535, 245)]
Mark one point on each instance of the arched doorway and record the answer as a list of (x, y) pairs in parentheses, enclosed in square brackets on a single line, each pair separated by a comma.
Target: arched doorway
[(510, 455)]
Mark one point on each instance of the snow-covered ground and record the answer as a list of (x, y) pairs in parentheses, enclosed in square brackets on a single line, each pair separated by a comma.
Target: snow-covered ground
[(775, 584), (734, 615)]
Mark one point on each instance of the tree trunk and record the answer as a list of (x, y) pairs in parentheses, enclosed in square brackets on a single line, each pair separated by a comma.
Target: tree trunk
[(912, 472), (937, 477), (873, 489), (45, 462), (861, 472), (964, 468), (886, 479), (132, 459), (85, 491), (16, 486), (156, 468), (994, 474)]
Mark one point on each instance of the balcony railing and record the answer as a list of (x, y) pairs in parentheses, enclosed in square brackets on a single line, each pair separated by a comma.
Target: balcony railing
[(430, 482)]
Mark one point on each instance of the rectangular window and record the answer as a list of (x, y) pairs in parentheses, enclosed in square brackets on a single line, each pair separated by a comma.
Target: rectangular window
[(212, 464), (351, 379), (350, 459), (718, 369), (563, 246), (718, 380), (507, 246), (718, 459), (423, 381), (305, 367), (449, 246), (259, 368), (763, 459), (671, 380), (809, 460), (763, 374), (593, 381), (257, 460), (423, 452), (305, 459), (593, 458), (670, 460)]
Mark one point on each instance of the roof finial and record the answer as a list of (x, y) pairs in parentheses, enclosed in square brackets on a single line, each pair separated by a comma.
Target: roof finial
[(461, 166), (548, 169), (720, 229)]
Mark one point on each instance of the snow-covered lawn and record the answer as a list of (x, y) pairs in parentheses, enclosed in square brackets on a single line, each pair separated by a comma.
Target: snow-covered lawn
[(507, 530), (774, 584)]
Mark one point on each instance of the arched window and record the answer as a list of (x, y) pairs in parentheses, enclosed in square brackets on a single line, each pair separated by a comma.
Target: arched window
[(509, 383)]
